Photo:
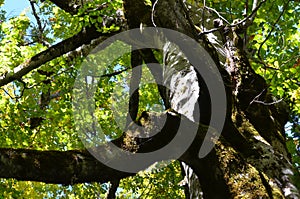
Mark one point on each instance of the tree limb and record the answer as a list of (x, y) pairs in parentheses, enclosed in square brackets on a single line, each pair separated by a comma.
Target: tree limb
[(83, 37), (56, 167), (79, 166)]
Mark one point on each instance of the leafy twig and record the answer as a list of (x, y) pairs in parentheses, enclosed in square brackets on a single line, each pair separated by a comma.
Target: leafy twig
[(249, 18), (220, 16), (269, 34), (40, 28), (242, 22), (57, 50)]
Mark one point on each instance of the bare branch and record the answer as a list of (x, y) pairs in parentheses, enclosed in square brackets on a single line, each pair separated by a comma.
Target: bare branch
[(210, 31), (267, 103), (254, 5), (152, 13), (114, 73), (264, 103), (245, 22), (136, 75), (220, 16)]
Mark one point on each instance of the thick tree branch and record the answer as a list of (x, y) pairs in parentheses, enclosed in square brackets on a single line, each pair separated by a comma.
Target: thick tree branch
[(55, 167), (78, 166), (70, 44)]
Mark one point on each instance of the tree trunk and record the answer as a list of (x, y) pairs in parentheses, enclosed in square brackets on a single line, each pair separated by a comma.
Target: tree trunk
[(250, 160)]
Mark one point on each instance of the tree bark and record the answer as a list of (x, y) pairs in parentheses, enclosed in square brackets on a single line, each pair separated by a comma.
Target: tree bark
[(79, 166), (250, 159)]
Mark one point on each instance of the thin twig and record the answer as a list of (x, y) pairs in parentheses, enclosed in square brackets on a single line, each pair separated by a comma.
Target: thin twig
[(267, 103), (16, 97), (40, 28), (152, 13), (246, 8), (7, 93), (250, 17), (256, 97), (264, 103), (215, 11), (210, 31), (111, 74), (273, 27), (203, 16), (233, 25)]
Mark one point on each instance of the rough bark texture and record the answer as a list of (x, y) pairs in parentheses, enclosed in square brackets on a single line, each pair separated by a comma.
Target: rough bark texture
[(250, 160), (55, 167)]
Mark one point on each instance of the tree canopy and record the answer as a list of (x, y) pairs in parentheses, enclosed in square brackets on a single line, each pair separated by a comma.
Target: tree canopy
[(42, 53)]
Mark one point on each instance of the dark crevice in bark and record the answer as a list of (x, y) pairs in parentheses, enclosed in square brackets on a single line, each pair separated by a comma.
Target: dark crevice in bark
[(266, 185), (136, 12), (210, 176), (237, 140)]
